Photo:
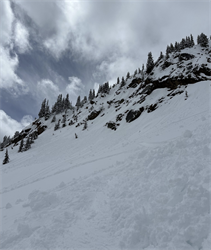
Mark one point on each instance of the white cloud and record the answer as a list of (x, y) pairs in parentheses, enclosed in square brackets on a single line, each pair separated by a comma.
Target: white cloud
[(8, 125), (47, 89), (8, 64), (6, 21), (21, 37), (75, 87)]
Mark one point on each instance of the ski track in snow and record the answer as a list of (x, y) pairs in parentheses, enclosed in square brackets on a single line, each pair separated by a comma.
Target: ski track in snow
[(149, 189)]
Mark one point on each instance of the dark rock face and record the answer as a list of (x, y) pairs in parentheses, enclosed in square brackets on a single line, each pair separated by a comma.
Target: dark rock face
[(119, 117), (152, 107), (133, 114), (93, 115), (41, 129), (134, 83), (148, 89), (185, 56), (112, 125), (166, 64)]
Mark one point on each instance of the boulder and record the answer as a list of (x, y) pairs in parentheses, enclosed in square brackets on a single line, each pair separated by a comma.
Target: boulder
[(112, 125), (133, 114), (93, 115)]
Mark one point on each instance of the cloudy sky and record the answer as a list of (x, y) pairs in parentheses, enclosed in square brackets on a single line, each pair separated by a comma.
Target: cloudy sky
[(48, 47)]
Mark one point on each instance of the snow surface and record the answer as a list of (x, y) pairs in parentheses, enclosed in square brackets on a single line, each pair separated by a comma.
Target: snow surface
[(144, 186)]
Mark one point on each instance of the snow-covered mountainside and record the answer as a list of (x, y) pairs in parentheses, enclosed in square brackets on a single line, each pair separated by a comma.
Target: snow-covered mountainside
[(136, 177)]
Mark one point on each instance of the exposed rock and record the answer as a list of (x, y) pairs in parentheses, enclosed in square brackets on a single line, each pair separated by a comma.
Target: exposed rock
[(134, 83), (148, 89), (93, 115), (119, 117), (185, 56), (152, 107), (71, 122), (134, 114), (112, 125), (41, 129), (166, 64)]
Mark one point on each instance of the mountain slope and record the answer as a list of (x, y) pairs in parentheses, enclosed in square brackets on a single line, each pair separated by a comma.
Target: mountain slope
[(143, 184)]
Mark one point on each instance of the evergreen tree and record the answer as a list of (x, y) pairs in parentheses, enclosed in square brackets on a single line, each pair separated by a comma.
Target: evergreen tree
[(21, 146), (27, 144), (93, 94), (85, 125), (117, 82), (47, 111), (67, 104), (168, 50), (182, 44), (78, 103), (6, 141), (53, 119), (202, 40), (142, 72), (42, 110), (150, 63), (122, 82), (176, 46), (84, 101), (106, 88), (139, 70), (6, 158), (17, 133), (90, 95), (191, 41), (161, 56), (57, 125), (135, 73), (128, 75), (59, 104), (172, 49)]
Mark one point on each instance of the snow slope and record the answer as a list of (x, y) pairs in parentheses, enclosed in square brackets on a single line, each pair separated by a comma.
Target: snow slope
[(144, 186)]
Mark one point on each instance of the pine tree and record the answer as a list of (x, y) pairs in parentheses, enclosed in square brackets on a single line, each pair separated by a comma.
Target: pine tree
[(47, 111), (202, 40), (42, 110), (122, 82), (85, 125), (106, 88), (21, 146), (90, 95), (172, 49), (78, 103), (93, 94), (128, 75), (57, 125), (6, 158), (135, 73), (53, 119), (191, 41), (67, 104), (176, 46), (161, 56), (142, 72), (27, 145), (117, 82), (150, 63), (182, 44)]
